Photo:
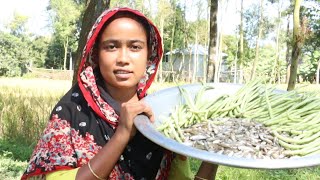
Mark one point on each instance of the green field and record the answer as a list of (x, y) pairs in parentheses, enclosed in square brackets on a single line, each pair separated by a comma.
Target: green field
[(25, 105)]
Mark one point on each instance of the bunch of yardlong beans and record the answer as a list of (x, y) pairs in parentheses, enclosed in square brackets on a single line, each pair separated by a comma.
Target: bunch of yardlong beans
[(293, 117)]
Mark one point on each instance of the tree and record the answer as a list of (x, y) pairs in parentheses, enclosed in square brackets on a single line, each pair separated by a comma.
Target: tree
[(14, 55), (312, 43), (175, 29), (212, 41), (297, 44), (173, 3), (258, 38), (93, 9), (276, 69), (288, 43), (15, 49), (39, 48), (222, 11), (17, 26), (65, 16), (164, 13), (54, 56)]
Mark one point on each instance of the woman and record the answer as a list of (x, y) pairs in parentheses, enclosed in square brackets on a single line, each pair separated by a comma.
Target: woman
[(91, 133)]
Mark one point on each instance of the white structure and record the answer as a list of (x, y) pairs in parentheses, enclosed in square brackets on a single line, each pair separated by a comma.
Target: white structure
[(188, 63)]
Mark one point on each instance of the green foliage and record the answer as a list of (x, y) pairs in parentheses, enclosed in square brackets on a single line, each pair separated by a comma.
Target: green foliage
[(309, 66), (15, 150), (229, 173), (140, 5), (201, 28), (40, 47), (14, 54), (312, 43), (178, 31), (65, 16), (230, 46), (17, 26), (312, 12), (13, 159), (251, 24), (54, 56), (11, 169), (170, 15), (19, 50), (232, 173), (121, 3)]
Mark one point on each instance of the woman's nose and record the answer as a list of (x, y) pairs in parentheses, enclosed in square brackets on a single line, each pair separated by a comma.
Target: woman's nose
[(123, 56)]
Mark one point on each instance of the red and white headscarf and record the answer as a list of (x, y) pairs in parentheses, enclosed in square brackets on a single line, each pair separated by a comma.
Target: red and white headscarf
[(86, 79)]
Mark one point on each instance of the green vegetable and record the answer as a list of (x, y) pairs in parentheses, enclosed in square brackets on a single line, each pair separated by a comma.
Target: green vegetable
[(292, 113)]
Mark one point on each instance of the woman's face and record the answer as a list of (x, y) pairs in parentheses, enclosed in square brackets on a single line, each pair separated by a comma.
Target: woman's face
[(123, 53)]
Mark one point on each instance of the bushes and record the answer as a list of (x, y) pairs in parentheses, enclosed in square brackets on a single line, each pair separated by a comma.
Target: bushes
[(11, 169)]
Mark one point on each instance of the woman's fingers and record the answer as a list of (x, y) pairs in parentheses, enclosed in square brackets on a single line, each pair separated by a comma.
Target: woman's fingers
[(148, 112), (131, 110)]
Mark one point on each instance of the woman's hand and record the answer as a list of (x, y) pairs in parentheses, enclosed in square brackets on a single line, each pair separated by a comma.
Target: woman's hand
[(128, 112), (207, 171), (104, 161)]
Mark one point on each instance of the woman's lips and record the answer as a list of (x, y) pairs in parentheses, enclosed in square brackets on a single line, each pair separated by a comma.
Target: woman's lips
[(123, 74)]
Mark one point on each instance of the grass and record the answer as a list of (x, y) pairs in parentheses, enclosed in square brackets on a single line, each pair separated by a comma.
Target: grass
[(13, 159), (232, 173), (11, 169), (25, 105)]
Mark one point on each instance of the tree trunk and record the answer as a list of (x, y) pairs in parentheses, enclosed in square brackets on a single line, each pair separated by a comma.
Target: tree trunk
[(297, 45), (254, 66), (189, 66), (275, 73), (219, 56), (241, 59), (161, 62), (219, 43), (181, 69), (318, 72), (195, 60), (288, 51), (213, 40), (65, 45), (171, 43), (93, 10), (235, 69)]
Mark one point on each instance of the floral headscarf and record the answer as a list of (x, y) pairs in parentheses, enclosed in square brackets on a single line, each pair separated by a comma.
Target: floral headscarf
[(86, 79)]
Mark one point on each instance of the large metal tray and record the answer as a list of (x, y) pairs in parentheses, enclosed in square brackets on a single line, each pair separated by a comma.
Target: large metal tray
[(163, 101)]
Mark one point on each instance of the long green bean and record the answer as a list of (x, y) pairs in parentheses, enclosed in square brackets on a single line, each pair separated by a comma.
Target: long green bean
[(294, 113)]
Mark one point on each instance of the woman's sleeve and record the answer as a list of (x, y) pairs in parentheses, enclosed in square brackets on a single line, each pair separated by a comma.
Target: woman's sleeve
[(180, 168), (61, 146), (54, 151), (63, 174)]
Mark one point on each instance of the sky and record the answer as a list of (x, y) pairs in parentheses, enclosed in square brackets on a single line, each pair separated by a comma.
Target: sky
[(34, 9), (38, 16)]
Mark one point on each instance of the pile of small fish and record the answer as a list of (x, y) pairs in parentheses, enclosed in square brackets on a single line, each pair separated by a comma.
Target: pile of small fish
[(234, 137)]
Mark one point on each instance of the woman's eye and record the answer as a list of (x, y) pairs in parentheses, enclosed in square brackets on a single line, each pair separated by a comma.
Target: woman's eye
[(136, 47), (110, 47)]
